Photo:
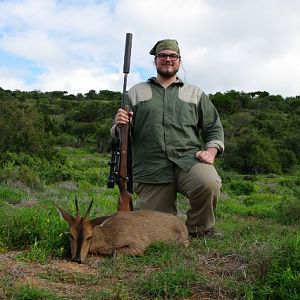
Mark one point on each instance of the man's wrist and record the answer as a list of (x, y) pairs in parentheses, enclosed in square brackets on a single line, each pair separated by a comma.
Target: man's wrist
[(212, 151)]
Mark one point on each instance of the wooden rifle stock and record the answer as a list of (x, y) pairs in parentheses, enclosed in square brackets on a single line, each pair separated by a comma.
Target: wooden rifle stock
[(125, 198)]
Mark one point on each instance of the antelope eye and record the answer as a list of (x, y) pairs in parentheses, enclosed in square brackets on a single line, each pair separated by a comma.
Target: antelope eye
[(89, 238), (71, 237)]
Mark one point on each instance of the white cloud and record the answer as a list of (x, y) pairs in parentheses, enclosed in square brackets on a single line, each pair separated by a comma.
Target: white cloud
[(80, 80), (78, 45), (11, 80)]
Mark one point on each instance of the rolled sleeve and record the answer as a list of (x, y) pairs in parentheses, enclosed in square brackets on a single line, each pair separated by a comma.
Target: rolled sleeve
[(215, 144)]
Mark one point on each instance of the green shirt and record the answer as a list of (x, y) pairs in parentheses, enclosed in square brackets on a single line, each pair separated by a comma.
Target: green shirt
[(168, 126)]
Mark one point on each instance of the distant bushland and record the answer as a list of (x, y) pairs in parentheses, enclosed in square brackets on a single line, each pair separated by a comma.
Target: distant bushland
[(262, 132)]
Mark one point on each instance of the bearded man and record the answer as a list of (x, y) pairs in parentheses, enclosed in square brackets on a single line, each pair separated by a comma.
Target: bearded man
[(176, 134)]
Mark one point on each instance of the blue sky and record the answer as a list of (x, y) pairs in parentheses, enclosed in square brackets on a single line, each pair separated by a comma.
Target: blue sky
[(78, 45)]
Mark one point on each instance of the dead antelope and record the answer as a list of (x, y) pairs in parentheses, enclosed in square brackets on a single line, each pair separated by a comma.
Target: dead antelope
[(124, 233)]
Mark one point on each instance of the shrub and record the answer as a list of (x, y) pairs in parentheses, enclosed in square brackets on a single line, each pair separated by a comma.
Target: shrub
[(65, 140), (33, 170), (241, 187), (248, 154), (288, 160), (23, 174), (12, 196), (56, 173), (262, 205), (289, 210)]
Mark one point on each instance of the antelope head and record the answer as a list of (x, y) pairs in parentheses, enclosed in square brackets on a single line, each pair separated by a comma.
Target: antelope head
[(80, 231)]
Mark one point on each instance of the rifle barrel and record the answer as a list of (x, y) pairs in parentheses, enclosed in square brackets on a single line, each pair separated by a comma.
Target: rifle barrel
[(127, 54), (126, 64)]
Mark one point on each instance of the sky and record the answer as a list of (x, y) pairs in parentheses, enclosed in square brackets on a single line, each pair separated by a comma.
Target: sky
[(78, 45)]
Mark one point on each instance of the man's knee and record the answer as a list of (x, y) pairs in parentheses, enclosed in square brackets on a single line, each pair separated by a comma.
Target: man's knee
[(208, 189), (214, 186)]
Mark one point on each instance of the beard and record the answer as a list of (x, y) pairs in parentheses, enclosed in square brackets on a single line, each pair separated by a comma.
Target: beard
[(167, 72)]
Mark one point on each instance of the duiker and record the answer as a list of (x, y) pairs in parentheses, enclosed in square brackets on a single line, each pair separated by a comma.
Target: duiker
[(124, 233)]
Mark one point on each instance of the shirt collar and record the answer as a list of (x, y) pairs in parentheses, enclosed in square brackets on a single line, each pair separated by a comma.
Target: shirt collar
[(177, 82)]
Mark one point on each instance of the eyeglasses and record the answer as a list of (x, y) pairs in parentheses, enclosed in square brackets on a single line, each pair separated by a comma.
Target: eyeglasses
[(163, 56)]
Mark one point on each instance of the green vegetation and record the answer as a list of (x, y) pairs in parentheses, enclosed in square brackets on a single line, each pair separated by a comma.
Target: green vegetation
[(55, 146), (262, 131), (259, 258), (32, 293)]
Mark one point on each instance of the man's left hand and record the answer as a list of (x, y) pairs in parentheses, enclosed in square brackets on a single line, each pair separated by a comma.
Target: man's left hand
[(207, 156)]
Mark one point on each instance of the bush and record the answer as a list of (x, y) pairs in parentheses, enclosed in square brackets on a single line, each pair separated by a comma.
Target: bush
[(12, 196), (288, 160), (241, 187), (23, 174), (65, 140), (262, 205), (252, 153), (32, 171), (56, 173), (289, 210)]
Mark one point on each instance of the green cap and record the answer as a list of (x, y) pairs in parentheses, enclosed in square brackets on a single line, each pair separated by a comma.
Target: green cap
[(165, 45)]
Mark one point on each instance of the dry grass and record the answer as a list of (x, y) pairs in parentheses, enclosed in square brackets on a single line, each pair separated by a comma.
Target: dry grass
[(76, 281)]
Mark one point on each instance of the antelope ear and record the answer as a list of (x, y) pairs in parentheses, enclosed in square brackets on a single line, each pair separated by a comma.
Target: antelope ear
[(65, 215), (99, 220)]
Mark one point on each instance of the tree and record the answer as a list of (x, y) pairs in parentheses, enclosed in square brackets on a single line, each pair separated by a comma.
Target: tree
[(92, 94), (83, 130), (252, 153), (230, 102), (110, 96), (21, 130)]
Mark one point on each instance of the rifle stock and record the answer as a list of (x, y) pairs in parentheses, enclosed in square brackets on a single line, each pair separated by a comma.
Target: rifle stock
[(124, 131), (125, 198)]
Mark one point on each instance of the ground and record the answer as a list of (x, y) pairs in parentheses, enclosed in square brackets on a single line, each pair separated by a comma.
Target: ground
[(74, 281)]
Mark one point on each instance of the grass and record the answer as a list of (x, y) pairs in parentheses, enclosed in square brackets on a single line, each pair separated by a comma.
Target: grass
[(27, 292), (259, 258)]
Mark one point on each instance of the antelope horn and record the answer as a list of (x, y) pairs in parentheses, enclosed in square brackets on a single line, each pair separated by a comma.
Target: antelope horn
[(89, 209), (77, 209)]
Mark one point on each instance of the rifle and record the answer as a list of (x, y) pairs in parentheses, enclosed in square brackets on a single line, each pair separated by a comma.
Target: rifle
[(121, 157)]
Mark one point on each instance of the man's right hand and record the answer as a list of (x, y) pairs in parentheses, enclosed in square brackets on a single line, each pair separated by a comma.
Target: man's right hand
[(122, 117)]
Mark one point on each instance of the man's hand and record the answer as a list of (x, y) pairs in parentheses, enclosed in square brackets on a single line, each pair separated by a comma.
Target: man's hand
[(207, 156), (122, 117)]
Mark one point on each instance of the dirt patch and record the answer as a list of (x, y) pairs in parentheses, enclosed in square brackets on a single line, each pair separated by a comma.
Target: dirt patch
[(61, 277), (223, 265), (216, 268)]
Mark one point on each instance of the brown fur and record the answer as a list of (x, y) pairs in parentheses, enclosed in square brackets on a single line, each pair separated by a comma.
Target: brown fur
[(124, 233), (131, 233)]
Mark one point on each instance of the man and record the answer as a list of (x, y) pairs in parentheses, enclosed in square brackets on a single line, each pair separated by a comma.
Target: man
[(169, 118)]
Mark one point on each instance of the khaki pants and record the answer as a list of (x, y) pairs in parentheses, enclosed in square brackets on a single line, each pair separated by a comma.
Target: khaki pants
[(201, 185)]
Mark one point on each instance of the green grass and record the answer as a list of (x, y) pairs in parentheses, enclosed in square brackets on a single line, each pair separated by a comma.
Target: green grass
[(33, 293), (12, 195), (257, 259)]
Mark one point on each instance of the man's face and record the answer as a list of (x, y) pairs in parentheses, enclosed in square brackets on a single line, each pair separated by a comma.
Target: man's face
[(167, 66)]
